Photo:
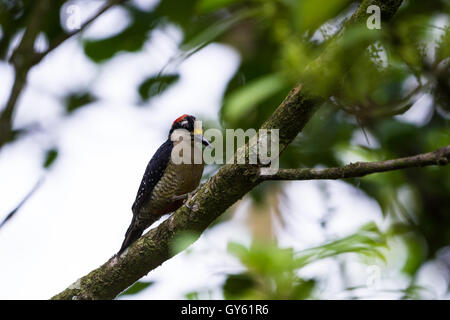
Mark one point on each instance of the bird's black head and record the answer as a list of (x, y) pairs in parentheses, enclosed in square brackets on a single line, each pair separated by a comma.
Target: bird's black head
[(184, 122)]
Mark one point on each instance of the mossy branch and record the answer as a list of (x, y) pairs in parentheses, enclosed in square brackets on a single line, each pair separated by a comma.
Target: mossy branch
[(25, 57), (20, 60), (63, 37), (227, 186), (360, 169)]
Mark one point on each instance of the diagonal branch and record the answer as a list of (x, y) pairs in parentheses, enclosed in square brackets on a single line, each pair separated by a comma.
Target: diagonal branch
[(227, 186), (25, 57), (21, 62), (360, 169), (39, 56), (21, 203)]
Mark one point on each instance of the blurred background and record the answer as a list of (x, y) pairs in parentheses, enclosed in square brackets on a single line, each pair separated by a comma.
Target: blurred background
[(96, 108)]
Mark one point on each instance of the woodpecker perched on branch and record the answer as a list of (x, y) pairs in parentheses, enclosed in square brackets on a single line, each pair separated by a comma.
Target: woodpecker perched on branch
[(167, 182)]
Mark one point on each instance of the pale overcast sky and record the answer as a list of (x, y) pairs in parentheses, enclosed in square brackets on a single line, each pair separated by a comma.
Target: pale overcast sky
[(78, 217)]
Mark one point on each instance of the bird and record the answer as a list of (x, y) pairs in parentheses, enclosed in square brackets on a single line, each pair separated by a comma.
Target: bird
[(166, 183)]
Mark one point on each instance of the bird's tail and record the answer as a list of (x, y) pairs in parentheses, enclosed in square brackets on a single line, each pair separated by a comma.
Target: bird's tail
[(133, 233)]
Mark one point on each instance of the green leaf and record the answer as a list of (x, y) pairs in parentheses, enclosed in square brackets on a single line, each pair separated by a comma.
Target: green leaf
[(76, 100), (104, 49), (367, 241), (271, 274), (443, 49), (131, 39), (416, 253), (182, 241), (155, 85), (204, 6), (237, 284), (50, 157), (237, 249), (246, 98), (312, 14), (415, 292), (303, 289), (263, 258), (136, 288), (192, 295), (199, 40)]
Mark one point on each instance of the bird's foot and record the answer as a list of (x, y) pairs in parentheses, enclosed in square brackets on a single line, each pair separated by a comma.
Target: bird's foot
[(187, 197), (192, 194), (180, 197)]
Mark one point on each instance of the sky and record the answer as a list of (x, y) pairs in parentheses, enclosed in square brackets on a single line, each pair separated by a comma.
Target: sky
[(76, 220)]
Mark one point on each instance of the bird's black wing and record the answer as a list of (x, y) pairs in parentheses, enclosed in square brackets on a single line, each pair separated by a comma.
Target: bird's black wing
[(153, 173)]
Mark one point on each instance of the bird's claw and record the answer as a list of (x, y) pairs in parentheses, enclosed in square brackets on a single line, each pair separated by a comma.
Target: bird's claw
[(187, 197), (190, 195)]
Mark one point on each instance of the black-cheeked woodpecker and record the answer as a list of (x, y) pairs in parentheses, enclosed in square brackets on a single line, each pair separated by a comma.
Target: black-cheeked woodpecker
[(166, 184)]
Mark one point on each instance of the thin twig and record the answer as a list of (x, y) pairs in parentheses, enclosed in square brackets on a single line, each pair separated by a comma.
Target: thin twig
[(221, 191), (39, 56), (21, 62), (25, 57), (360, 169), (20, 205)]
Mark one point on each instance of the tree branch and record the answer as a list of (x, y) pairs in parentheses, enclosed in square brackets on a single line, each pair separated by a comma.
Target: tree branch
[(22, 64), (25, 57), (227, 186), (39, 56), (360, 169), (21, 203)]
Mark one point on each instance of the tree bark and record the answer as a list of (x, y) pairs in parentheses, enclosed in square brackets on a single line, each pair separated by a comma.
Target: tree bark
[(230, 184), (360, 169), (25, 57)]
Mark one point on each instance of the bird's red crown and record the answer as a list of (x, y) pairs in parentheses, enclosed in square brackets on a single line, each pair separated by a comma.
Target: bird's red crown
[(180, 118)]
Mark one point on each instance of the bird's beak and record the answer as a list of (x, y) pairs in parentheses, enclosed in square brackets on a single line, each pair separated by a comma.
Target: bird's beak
[(198, 135), (205, 142)]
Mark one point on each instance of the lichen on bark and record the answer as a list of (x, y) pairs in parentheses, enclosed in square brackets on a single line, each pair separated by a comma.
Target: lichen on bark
[(227, 186)]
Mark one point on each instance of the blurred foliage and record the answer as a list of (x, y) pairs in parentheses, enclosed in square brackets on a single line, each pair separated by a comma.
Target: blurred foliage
[(131, 39), (74, 101), (50, 157), (272, 272), (182, 241), (156, 85), (403, 68), (14, 17)]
